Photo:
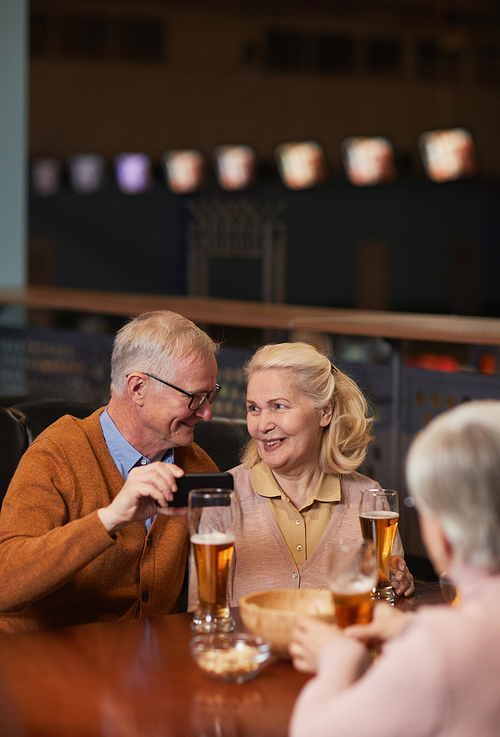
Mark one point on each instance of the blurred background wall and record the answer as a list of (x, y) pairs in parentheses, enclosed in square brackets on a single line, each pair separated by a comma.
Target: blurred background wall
[(108, 76)]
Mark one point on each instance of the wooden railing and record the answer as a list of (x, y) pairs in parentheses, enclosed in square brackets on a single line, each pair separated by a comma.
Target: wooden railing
[(239, 313)]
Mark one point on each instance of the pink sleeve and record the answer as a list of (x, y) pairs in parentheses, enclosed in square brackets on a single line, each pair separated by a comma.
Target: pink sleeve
[(398, 694)]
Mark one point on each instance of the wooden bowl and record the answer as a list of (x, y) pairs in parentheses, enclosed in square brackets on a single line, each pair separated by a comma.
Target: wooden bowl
[(272, 614)]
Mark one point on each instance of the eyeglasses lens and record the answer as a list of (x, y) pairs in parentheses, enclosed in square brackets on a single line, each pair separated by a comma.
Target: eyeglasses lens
[(197, 399)]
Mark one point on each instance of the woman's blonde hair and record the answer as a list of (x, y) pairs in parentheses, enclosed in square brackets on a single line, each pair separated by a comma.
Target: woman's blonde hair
[(453, 472), (345, 440)]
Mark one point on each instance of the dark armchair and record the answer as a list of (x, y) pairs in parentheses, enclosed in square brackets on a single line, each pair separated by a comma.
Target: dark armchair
[(20, 423)]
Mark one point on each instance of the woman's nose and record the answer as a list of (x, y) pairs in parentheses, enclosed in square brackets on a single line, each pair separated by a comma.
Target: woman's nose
[(266, 422)]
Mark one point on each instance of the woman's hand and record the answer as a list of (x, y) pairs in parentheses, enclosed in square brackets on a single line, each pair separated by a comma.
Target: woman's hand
[(309, 637), (401, 578), (387, 623)]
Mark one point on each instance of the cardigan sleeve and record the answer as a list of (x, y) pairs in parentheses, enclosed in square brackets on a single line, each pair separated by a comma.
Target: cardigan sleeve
[(43, 540), (401, 693), (50, 529)]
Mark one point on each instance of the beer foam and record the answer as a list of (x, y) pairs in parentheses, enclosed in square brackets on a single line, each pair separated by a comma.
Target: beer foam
[(379, 514), (361, 586), (212, 538)]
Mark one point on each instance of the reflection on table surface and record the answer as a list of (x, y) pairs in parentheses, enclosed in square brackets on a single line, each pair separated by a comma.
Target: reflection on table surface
[(136, 677), (425, 594)]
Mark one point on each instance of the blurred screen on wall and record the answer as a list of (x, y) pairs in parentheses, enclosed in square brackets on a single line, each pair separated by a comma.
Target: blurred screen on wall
[(133, 172), (368, 160), (448, 154), (86, 172), (235, 166), (302, 164), (184, 170), (46, 175)]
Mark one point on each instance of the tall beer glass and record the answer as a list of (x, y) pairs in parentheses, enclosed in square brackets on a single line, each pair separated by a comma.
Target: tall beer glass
[(211, 518), (378, 517), (352, 577)]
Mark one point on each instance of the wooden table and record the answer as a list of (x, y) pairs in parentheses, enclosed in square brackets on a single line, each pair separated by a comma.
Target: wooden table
[(136, 678), (132, 679), (425, 594)]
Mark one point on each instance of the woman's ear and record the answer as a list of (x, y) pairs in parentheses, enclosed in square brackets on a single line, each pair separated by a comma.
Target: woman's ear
[(436, 542), (326, 415)]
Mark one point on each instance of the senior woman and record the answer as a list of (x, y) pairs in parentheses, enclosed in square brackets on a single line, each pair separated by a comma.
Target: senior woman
[(443, 661), (297, 487)]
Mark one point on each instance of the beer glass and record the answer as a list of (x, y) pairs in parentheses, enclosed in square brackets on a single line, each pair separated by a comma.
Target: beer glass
[(378, 517), (211, 519), (352, 577)]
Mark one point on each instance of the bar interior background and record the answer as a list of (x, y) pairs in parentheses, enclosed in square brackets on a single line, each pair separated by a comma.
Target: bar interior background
[(103, 76)]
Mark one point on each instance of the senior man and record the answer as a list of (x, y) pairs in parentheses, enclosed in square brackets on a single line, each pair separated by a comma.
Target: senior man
[(86, 533)]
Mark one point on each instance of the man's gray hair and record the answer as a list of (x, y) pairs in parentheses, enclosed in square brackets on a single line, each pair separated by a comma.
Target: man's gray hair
[(153, 342), (453, 472)]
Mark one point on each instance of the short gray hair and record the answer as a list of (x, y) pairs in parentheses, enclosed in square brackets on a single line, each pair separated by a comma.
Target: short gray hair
[(153, 342), (453, 472)]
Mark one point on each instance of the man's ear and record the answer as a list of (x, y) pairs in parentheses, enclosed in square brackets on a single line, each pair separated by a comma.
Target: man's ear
[(136, 387)]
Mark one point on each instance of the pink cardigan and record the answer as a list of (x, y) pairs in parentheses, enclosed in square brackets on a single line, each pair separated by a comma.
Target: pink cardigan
[(262, 560), (439, 678)]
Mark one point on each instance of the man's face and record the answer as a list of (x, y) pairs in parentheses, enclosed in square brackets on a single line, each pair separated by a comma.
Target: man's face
[(167, 421)]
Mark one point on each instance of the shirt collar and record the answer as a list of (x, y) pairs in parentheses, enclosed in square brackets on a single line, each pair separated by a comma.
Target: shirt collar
[(124, 455), (328, 488)]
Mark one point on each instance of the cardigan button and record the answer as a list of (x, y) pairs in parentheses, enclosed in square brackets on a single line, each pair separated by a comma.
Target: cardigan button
[(149, 541), (295, 575), (145, 597)]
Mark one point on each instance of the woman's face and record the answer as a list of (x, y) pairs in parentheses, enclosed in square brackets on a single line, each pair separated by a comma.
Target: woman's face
[(286, 429)]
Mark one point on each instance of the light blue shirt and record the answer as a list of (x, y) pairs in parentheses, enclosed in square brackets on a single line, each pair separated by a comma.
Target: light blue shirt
[(125, 456)]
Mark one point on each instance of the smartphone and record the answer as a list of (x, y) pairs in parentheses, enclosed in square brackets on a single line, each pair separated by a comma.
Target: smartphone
[(191, 481)]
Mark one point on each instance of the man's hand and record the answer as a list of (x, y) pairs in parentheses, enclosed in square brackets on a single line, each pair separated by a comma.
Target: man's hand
[(309, 637), (401, 578), (146, 492)]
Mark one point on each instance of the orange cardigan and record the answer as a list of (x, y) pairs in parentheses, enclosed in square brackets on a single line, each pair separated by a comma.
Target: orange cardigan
[(58, 565)]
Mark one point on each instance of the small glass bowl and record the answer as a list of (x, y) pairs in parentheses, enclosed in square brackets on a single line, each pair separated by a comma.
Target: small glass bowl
[(232, 656)]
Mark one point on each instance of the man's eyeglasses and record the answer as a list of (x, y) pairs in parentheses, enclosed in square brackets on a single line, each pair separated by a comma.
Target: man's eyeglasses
[(195, 400)]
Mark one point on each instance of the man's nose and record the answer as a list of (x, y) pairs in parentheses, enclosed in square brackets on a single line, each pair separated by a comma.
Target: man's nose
[(205, 411)]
